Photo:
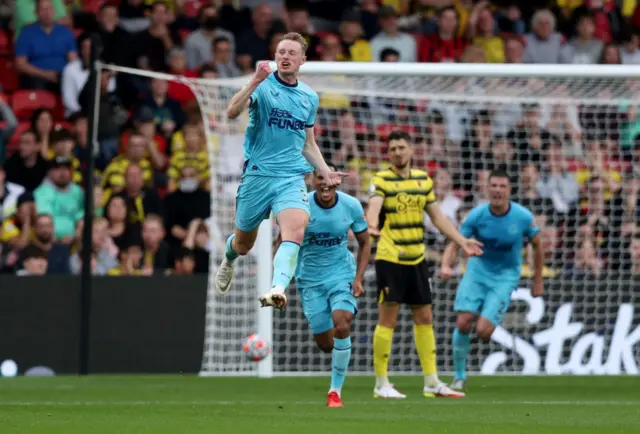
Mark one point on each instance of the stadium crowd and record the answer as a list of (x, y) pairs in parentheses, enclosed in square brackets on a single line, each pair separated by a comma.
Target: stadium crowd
[(577, 167)]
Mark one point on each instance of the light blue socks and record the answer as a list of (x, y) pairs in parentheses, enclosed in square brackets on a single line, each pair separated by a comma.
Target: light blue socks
[(229, 253), (461, 344), (340, 362), (284, 263)]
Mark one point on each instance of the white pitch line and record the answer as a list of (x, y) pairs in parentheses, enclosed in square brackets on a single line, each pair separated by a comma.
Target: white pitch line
[(305, 403)]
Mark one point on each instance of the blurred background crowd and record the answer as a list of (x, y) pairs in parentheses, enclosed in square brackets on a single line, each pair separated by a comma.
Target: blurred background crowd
[(576, 165)]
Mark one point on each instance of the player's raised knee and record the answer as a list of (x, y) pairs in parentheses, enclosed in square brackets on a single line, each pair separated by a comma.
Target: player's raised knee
[(464, 322), (343, 327)]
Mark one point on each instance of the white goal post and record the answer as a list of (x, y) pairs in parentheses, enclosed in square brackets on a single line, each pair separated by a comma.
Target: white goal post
[(562, 132)]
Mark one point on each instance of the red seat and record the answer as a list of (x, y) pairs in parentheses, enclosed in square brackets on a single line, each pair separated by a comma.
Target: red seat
[(25, 102), (92, 6), (9, 77), (14, 142)]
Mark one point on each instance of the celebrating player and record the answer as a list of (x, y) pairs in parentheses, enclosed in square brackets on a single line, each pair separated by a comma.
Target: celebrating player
[(485, 289), (399, 197), (327, 277), (279, 148)]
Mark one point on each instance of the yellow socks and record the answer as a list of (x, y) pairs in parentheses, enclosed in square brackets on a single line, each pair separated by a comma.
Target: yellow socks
[(426, 346), (382, 338)]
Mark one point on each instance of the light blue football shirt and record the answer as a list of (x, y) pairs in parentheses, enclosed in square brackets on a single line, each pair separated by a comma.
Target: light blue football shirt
[(278, 116), (324, 255), (503, 237)]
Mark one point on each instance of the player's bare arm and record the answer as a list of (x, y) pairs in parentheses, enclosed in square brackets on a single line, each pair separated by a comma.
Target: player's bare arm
[(448, 260), (241, 100), (470, 246), (312, 153), (538, 264), (364, 253), (373, 215)]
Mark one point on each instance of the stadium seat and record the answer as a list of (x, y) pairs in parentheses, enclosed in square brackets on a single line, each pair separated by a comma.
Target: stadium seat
[(14, 142), (25, 102), (8, 75)]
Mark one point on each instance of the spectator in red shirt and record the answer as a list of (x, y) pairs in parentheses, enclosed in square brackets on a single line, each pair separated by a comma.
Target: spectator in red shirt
[(445, 45), (178, 66)]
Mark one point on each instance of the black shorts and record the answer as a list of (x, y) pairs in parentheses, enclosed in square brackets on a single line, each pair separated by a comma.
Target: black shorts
[(405, 284)]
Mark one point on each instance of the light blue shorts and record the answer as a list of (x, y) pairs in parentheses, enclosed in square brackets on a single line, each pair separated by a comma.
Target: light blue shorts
[(484, 297), (258, 196), (319, 302)]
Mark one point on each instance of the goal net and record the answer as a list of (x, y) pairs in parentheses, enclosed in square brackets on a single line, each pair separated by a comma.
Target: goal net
[(566, 135)]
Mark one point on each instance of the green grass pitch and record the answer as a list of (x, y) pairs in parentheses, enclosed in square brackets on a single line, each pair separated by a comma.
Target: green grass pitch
[(184, 405)]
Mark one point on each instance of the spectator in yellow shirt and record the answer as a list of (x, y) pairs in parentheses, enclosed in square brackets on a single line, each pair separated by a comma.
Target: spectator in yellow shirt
[(193, 154), (113, 177), (17, 230), (354, 47), (481, 30)]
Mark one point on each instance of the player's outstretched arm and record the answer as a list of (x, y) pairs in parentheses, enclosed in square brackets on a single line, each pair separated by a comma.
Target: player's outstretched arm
[(311, 152), (443, 224), (241, 100), (448, 259), (538, 264)]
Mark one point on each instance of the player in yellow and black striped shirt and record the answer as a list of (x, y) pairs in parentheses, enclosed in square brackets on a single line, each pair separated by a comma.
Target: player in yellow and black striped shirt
[(399, 198)]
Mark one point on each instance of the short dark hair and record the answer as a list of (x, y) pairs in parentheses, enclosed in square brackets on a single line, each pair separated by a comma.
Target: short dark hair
[(209, 5), (30, 131), (76, 116), (159, 3), (107, 5), (444, 9), (33, 252), (207, 68), (184, 252), (61, 135), (219, 39), (499, 173), (436, 117), (388, 52), (399, 135)]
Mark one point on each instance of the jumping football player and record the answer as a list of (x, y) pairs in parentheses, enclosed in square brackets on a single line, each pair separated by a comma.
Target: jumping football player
[(485, 290), (280, 148), (327, 277), (399, 198)]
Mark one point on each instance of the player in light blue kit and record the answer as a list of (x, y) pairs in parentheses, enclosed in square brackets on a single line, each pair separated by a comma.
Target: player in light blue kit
[(279, 148), (327, 277), (504, 227)]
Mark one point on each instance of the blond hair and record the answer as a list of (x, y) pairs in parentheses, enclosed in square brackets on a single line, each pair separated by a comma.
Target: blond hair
[(296, 37)]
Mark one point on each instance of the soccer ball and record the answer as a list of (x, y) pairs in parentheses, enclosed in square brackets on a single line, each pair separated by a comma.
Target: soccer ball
[(255, 348)]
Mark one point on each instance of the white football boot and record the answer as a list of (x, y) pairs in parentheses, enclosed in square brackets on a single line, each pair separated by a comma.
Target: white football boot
[(441, 391), (388, 392), (224, 276), (457, 385)]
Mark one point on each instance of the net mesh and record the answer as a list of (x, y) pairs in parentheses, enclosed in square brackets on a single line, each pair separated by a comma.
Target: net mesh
[(568, 146)]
